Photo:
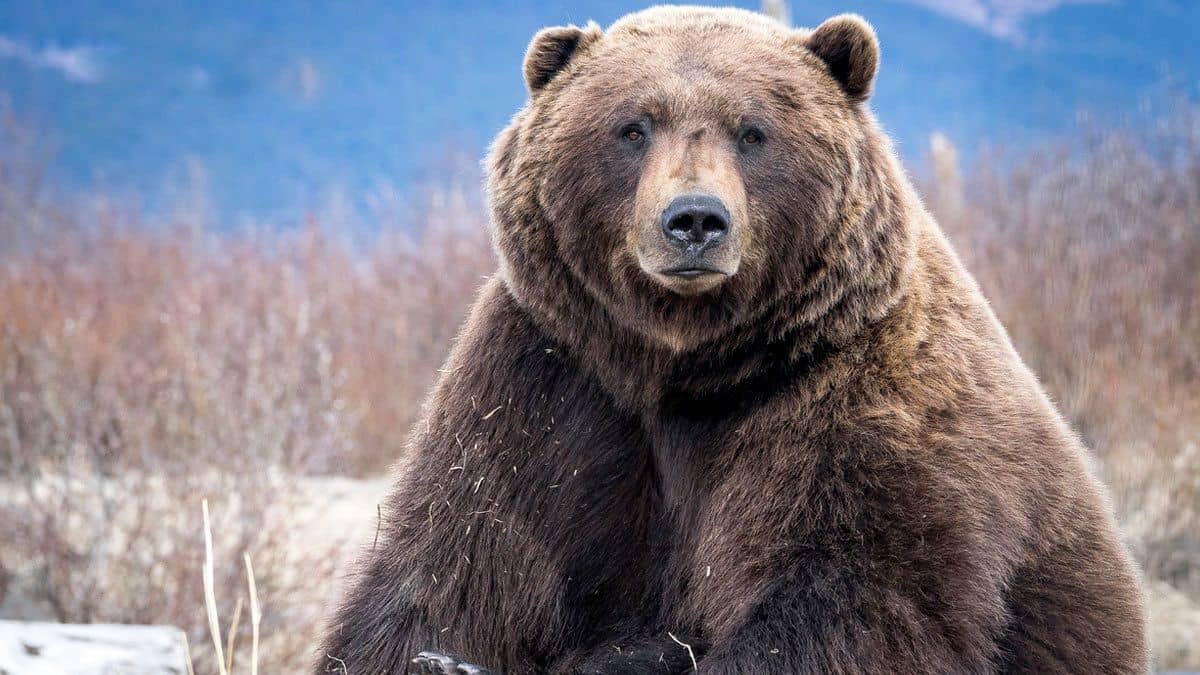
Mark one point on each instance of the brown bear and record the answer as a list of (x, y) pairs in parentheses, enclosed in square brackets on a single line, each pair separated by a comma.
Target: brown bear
[(731, 404)]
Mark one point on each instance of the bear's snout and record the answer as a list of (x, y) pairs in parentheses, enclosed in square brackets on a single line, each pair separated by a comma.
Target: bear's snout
[(695, 222), (695, 246), (692, 225)]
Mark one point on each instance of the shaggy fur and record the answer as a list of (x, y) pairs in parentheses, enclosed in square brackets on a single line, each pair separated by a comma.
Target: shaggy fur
[(829, 461)]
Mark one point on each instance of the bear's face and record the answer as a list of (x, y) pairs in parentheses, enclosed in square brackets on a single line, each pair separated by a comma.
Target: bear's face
[(690, 162)]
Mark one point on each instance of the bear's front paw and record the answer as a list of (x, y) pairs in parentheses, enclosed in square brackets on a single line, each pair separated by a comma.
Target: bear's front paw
[(434, 663)]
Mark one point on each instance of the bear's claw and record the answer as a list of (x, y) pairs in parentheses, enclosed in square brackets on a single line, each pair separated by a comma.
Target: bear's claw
[(433, 663)]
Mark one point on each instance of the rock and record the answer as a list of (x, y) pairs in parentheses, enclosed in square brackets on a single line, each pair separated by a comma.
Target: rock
[(34, 648)]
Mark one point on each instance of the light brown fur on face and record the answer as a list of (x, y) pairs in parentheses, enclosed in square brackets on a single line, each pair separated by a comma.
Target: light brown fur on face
[(825, 459), (694, 157)]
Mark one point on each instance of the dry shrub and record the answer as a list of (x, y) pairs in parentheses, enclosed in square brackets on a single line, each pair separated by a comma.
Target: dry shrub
[(286, 349), (1090, 254)]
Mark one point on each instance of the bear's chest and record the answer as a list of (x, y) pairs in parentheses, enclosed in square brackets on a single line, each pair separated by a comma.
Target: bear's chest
[(813, 508)]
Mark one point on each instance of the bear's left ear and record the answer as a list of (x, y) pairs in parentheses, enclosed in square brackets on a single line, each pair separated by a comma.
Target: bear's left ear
[(847, 44), (551, 50)]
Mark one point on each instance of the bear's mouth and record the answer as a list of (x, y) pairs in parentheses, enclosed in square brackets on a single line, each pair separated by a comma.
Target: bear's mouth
[(692, 278), (690, 272)]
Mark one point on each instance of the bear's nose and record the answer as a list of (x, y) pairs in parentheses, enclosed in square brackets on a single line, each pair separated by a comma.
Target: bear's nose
[(695, 220)]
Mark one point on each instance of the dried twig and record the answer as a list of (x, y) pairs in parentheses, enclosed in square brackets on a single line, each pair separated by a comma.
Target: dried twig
[(378, 524), (187, 653), (231, 636), (688, 647), (210, 596), (255, 615)]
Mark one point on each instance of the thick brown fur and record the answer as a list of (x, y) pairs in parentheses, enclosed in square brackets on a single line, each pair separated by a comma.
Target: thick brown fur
[(826, 459)]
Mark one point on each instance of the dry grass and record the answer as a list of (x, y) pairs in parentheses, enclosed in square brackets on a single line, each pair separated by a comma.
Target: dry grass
[(144, 367)]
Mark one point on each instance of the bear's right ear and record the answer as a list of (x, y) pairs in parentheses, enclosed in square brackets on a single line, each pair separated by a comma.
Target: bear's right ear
[(551, 50)]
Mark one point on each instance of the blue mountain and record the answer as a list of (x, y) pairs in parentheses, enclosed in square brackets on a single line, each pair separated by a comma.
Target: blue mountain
[(281, 102)]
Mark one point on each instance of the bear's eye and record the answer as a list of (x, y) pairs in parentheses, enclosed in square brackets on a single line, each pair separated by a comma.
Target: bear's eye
[(633, 134), (751, 137)]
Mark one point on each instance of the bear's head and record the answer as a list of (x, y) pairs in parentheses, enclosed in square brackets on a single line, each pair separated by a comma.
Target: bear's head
[(691, 171)]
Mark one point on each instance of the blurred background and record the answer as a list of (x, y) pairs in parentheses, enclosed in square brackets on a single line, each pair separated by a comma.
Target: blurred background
[(237, 240)]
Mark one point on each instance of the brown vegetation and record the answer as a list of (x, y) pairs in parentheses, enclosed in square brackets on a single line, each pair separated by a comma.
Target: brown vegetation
[(143, 368)]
